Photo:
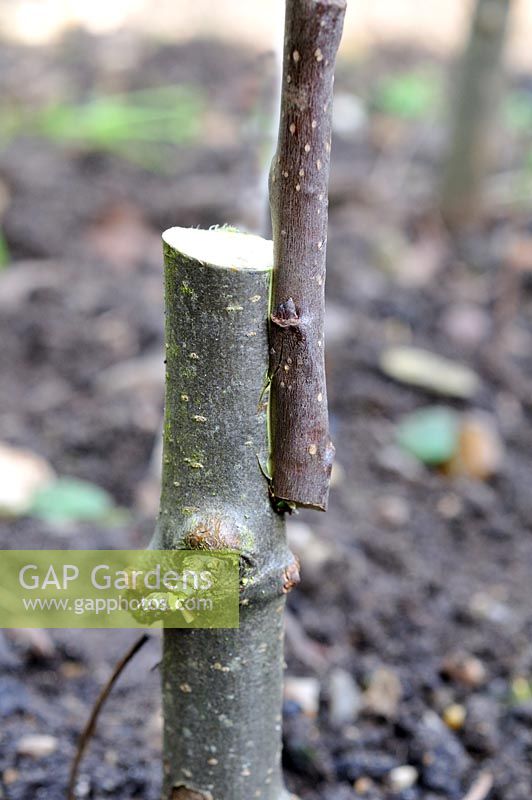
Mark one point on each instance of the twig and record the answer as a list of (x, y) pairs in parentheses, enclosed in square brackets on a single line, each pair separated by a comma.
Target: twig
[(89, 728), (307, 651), (301, 449), (481, 788)]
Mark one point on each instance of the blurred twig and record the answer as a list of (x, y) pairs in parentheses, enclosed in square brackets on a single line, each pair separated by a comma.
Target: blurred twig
[(89, 728), (481, 788), (302, 646)]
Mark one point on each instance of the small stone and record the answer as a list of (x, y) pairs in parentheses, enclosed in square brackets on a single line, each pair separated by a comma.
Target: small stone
[(480, 451), (363, 785), (418, 367), (465, 669), (466, 324), (345, 698), (420, 261), (402, 778), (305, 692), (311, 551), (22, 474), (111, 757), (384, 693), (483, 606), (37, 745), (449, 506), (393, 511), (454, 716), (36, 643), (396, 461), (83, 786), (71, 670), (10, 775)]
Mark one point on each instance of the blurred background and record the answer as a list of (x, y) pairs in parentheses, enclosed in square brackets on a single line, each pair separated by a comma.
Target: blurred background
[(409, 641)]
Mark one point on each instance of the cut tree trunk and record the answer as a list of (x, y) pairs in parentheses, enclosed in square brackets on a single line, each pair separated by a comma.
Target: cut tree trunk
[(222, 689), (474, 114)]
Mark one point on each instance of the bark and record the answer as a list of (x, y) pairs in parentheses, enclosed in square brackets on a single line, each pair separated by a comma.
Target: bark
[(222, 689), (301, 448), (474, 114)]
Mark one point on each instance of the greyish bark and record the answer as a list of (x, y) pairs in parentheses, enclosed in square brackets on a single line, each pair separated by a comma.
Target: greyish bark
[(222, 689), (474, 114), (302, 452)]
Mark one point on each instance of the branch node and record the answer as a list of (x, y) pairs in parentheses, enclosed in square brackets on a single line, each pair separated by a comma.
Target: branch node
[(285, 315), (291, 576)]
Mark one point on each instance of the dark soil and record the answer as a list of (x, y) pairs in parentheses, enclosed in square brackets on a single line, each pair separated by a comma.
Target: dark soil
[(409, 569)]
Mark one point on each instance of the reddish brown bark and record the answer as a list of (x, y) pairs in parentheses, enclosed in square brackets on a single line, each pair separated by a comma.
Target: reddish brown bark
[(302, 452)]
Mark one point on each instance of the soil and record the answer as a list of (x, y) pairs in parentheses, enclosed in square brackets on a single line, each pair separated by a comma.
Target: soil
[(412, 570)]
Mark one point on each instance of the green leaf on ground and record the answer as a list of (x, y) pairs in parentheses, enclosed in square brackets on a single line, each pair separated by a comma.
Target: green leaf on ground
[(72, 500), (431, 434), (5, 257), (410, 95), (128, 123), (520, 691)]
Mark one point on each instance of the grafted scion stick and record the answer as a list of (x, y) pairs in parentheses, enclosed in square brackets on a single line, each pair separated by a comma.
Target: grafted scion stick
[(302, 452)]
